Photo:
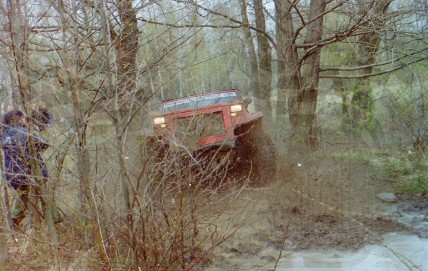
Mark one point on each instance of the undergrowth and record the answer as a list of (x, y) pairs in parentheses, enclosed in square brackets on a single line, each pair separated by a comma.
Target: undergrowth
[(405, 170), (415, 185)]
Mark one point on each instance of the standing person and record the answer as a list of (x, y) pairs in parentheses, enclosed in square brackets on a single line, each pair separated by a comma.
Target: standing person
[(42, 119), (18, 173), (16, 160)]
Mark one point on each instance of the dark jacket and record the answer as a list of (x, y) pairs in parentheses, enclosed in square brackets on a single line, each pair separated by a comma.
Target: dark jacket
[(16, 156)]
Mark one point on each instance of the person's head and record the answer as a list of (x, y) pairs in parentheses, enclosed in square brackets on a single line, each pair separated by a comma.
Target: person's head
[(41, 117), (13, 118)]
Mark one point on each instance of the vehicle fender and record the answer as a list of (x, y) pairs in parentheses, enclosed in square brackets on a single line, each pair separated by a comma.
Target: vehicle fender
[(248, 118)]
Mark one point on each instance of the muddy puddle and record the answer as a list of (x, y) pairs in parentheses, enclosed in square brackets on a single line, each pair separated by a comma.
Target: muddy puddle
[(397, 251), (338, 223)]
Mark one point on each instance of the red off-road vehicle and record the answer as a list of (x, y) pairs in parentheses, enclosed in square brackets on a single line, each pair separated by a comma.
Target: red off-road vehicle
[(218, 131)]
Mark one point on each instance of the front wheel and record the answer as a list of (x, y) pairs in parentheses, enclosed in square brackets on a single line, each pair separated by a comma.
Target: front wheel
[(256, 154)]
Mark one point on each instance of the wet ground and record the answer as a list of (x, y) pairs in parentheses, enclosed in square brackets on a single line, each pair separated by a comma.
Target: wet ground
[(395, 239), (398, 251), (326, 216)]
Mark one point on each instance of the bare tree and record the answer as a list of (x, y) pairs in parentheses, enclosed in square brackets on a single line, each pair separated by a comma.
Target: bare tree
[(254, 85), (300, 73), (362, 98), (71, 56), (264, 51), (20, 31)]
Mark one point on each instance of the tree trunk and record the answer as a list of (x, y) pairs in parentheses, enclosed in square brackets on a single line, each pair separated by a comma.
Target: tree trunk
[(303, 101), (361, 110), (126, 48), (288, 65), (298, 77), (126, 51), (265, 62), (72, 62), (340, 86), (254, 79)]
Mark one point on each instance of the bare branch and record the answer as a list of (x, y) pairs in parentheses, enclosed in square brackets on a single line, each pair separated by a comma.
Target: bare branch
[(375, 64), (375, 74), (240, 23)]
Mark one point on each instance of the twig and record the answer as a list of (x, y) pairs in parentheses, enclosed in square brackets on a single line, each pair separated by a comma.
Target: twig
[(282, 246)]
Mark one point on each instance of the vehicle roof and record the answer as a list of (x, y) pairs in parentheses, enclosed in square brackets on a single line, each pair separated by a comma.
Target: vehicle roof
[(200, 94)]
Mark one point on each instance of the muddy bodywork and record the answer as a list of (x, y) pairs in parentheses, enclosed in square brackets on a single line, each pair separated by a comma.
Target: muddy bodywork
[(216, 129)]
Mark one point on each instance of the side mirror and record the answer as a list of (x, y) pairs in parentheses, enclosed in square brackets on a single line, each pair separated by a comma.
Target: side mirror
[(247, 101)]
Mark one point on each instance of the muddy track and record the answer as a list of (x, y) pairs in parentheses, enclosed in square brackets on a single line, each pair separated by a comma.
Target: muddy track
[(323, 204)]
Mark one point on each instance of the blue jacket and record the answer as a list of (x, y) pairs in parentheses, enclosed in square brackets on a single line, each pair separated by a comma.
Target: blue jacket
[(17, 158)]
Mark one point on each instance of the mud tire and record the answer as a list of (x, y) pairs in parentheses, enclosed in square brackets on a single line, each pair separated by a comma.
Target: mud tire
[(256, 155)]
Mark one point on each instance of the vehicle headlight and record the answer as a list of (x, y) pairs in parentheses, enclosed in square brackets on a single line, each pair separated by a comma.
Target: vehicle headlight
[(159, 121), (236, 108)]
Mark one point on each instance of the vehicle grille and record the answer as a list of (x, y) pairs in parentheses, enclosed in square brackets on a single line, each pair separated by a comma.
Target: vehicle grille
[(191, 129)]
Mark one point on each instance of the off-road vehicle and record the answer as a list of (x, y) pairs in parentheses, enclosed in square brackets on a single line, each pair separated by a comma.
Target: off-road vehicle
[(217, 130)]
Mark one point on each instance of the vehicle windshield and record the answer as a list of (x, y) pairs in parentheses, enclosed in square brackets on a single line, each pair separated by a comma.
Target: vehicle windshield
[(196, 102)]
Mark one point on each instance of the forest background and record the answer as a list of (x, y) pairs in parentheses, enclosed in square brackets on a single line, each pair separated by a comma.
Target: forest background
[(329, 76)]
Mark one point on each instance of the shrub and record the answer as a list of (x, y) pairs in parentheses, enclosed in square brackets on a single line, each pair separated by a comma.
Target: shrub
[(416, 185), (397, 167)]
